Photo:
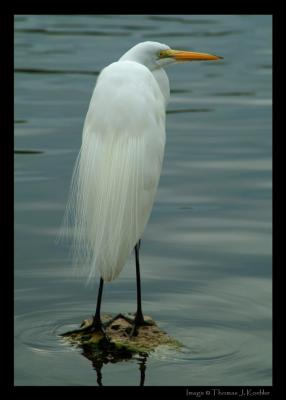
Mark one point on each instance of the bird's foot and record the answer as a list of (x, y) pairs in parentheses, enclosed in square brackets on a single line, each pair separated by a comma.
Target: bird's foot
[(138, 322), (97, 327), (130, 320)]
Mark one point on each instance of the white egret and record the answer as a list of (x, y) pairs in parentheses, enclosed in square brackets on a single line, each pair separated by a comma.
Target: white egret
[(119, 164)]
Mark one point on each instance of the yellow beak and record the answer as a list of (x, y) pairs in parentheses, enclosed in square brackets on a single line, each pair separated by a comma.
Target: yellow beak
[(179, 55)]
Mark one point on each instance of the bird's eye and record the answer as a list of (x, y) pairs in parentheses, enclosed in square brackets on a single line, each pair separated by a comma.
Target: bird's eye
[(163, 54)]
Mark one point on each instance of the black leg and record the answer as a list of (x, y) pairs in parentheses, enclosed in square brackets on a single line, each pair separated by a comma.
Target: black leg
[(97, 324), (139, 319)]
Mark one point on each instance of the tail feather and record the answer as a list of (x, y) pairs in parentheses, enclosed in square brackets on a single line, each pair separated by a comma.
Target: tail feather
[(107, 204)]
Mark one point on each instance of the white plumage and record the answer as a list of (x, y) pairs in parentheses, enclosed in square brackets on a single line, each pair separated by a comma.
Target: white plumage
[(118, 167), (119, 164)]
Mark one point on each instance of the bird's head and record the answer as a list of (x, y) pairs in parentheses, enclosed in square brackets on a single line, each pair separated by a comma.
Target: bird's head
[(155, 55)]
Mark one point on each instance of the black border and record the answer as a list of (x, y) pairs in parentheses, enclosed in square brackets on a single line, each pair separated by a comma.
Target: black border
[(6, 199), (7, 189)]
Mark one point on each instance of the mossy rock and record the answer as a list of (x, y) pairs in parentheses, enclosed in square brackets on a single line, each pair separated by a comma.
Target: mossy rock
[(120, 344)]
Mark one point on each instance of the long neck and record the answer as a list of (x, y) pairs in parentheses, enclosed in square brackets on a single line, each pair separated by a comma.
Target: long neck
[(136, 54), (163, 82)]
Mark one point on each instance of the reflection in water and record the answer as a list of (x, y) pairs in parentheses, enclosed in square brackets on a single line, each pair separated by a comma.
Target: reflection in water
[(142, 367), (100, 357)]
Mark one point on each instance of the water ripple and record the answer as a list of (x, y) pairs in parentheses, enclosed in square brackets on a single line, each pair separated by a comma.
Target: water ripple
[(166, 18), (203, 343), (39, 330), (72, 32), (188, 110), (54, 71), (196, 34)]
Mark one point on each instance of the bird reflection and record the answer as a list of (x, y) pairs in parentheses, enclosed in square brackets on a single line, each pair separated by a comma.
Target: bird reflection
[(142, 368), (100, 357)]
